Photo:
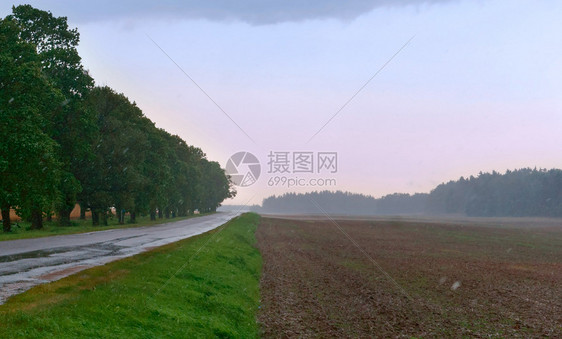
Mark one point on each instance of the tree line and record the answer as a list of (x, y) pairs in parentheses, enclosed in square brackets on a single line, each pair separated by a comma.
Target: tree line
[(65, 141), (523, 192)]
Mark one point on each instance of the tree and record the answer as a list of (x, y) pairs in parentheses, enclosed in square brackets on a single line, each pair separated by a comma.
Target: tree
[(158, 170), (64, 141), (71, 124), (117, 176), (29, 170), (215, 186)]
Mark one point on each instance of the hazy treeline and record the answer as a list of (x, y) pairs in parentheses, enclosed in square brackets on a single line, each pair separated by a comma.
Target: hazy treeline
[(64, 141), (523, 192)]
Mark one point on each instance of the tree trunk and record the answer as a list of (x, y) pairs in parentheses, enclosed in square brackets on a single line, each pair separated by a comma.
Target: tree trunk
[(6, 222), (173, 213), (160, 214), (82, 211), (64, 217), (182, 211), (132, 217), (36, 219), (167, 213), (104, 218), (120, 215), (95, 217), (152, 215), (63, 213)]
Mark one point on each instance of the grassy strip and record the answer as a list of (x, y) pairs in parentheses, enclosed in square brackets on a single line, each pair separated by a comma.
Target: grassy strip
[(205, 286), (21, 229)]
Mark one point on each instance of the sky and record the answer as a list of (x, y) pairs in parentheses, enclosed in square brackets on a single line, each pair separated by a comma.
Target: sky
[(418, 92)]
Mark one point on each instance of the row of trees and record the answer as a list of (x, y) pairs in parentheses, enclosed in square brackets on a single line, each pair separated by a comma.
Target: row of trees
[(523, 192), (63, 140), (331, 202)]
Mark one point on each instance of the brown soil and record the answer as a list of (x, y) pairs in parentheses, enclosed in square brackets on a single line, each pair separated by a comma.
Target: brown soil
[(426, 279)]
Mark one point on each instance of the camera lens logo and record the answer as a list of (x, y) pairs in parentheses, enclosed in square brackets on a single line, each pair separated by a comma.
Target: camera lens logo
[(243, 168)]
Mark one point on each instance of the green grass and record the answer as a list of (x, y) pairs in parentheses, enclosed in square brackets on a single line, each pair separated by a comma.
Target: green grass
[(21, 229), (205, 286)]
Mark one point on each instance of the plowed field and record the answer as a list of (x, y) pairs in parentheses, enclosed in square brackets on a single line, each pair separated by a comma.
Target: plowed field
[(424, 280)]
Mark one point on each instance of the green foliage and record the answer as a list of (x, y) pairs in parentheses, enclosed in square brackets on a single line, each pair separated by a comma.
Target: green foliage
[(139, 168), (29, 168), (202, 287), (217, 187), (69, 124), (64, 141), (56, 45)]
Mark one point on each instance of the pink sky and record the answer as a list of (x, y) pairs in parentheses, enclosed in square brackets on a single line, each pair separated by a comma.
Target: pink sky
[(477, 89)]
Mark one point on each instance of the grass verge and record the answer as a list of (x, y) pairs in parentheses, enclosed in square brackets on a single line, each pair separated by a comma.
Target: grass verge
[(204, 286), (21, 229)]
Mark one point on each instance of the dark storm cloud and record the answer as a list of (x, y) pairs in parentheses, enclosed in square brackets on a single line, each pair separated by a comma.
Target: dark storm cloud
[(255, 12)]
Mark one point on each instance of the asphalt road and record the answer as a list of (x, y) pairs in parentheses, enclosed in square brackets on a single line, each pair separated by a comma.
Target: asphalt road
[(28, 262)]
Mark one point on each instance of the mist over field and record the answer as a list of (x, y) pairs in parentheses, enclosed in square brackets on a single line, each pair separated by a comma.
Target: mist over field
[(519, 193)]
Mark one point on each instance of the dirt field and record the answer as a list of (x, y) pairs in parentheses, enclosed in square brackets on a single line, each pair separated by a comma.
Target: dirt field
[(435, 279)]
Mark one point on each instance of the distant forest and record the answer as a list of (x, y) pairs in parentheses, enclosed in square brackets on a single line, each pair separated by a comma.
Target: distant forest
[(523, 192)]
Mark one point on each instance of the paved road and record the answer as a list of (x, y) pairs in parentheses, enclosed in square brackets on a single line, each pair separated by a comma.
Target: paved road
[(28, 262)]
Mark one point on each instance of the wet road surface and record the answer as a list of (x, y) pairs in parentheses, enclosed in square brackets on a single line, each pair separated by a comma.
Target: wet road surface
[(28, 262)]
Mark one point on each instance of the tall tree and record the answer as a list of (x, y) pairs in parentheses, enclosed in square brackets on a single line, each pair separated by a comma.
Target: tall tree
[(215, 186), (72, 126), (29, 169), (115, 176)]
